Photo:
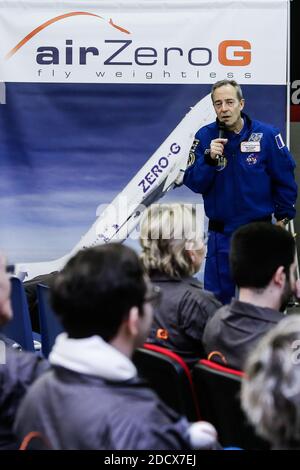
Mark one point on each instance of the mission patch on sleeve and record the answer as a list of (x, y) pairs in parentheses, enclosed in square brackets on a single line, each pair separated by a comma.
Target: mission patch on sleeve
[(192, 156)]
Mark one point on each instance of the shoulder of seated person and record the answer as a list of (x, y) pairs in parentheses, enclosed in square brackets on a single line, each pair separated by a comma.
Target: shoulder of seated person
[(198, 288)]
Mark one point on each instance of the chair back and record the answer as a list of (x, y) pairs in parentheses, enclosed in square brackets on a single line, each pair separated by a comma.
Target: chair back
[(19, 328), (49, 322), (170, 377), (218, 392)]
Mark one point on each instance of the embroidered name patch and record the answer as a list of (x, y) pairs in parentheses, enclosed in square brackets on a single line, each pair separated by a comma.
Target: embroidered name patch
[(250, 146)]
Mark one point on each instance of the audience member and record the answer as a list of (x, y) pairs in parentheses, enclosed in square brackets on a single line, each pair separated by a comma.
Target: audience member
[(92, 398), (271, 388), (17, 369), (172, 252), (263, 264)]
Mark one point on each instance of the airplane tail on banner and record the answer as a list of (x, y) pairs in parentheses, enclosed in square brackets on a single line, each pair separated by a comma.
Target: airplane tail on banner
[(153, 180)]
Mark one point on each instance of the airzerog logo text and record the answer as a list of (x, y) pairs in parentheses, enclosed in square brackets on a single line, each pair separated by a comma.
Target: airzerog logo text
[(229, 53)]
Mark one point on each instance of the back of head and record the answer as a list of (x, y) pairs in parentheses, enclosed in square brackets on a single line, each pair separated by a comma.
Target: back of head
[(256, 252), (168, 231), (271, 389), (96, 289)]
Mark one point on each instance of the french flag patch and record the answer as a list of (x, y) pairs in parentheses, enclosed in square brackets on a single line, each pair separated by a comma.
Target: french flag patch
[(279, 141)]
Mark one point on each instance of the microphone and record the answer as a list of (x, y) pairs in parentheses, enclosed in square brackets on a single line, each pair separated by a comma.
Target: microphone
[(220, 158), (222, 129)]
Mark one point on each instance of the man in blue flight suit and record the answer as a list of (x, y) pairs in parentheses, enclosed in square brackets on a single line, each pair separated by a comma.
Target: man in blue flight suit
[(244, 172)]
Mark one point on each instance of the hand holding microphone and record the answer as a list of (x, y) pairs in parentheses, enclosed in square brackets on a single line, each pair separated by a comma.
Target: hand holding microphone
[(217, 145), (217, 148)]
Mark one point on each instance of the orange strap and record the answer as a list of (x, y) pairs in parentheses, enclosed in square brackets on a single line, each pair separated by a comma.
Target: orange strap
[(30, 436), (216, 353)]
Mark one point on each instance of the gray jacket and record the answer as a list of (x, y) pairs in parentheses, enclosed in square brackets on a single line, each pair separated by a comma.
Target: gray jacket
[(180, 319), (80, 411), (235, 329)]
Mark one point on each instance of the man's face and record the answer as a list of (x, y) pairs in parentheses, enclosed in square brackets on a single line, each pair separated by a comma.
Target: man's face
[(145, 324), (5, 305), (152, 299), (227, 106), (290, 287)]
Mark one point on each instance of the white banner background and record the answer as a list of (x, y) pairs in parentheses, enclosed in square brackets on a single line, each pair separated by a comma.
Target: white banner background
[(195, 29)]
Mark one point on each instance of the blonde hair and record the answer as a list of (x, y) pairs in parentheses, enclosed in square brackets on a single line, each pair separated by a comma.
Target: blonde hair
[(167, 232)]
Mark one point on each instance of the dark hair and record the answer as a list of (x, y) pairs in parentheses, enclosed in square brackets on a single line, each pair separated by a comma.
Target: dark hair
[(257, 251), (96, 289), (233, 83)]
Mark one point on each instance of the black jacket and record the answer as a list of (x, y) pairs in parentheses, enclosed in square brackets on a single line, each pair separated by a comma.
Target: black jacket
[(235, 329), (180, 319)]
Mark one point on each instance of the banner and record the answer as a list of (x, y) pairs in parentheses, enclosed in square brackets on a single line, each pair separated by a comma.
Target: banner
[(90, 90), (148, 44)]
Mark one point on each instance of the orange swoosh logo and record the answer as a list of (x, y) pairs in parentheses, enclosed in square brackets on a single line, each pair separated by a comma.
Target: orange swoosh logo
[(54, 20)]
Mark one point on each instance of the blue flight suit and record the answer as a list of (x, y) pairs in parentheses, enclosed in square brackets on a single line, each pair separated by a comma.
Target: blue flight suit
[(256, 182)]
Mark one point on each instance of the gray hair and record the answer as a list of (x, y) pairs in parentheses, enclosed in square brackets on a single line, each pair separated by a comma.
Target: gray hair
[(167, 232), (233, 83), (271, 388)]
